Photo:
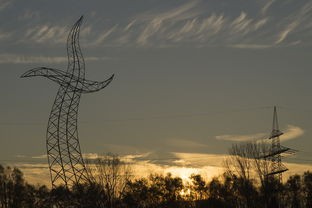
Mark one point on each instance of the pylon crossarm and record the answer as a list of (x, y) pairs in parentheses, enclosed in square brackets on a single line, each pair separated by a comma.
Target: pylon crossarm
[(276, 133), (276, 152), (68, 80), (277, 172), (94, 86)]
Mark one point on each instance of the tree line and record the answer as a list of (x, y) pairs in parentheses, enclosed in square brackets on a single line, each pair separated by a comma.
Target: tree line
[(112, 186)]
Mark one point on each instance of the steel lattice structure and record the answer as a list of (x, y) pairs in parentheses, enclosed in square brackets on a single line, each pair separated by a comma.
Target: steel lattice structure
[(65, 160), (277, 167), (275, 157)]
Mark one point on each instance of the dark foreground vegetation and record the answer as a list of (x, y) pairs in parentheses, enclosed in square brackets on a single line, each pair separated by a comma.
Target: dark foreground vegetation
[(114, 188)]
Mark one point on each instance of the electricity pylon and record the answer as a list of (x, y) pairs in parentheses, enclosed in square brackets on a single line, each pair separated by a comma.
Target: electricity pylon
[(274, 156), (65, 160)]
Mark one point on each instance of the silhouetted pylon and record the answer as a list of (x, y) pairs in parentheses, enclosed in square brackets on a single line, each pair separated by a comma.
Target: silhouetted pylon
[(65, 160)]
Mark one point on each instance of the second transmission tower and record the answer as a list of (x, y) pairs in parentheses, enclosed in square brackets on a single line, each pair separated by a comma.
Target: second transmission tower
[(276, 151)]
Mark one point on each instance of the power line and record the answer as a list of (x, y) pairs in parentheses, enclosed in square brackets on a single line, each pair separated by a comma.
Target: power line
[(156, 117)]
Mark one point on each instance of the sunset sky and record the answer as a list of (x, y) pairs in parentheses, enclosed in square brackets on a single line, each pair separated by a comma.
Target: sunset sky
[(192, 77)]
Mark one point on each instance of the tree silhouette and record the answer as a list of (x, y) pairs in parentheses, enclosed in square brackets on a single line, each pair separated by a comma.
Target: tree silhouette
[(112, 175), (12, 187), (293, 192), (307, 186), (136, 194), (198, 188), (159, 191)]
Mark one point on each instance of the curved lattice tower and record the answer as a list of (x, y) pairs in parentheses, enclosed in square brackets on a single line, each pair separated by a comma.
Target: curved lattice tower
[(63, 149)]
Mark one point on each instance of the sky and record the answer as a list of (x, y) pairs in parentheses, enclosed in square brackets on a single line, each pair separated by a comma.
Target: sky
[(192, 77)]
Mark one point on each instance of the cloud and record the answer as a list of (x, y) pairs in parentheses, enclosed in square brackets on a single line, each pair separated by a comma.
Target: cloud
[(142, 165), (241, 138), (294, 168), (283, 34), (182, 165), (39, 157), (197, 29), (200, 159), (191, 24), (51, 34), (197, 23), (158, 23), (301, 17), (260, 23), (251, 46), (104, 35), (35, 173), (241, 23), (22, 59), (266, 7), (291, 132), (46, 34), (181, 12), (29, 14), (90, 156), (5, 3), (129, 25), (5, 35)]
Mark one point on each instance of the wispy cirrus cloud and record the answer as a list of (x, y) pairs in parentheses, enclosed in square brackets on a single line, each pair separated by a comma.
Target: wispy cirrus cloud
[(283, 34), (5, 3), (50, 34), (266, 7), (24, 59), (300, 18), (5, 35), (241, 23), (160, 23), (104, 35), (244, 30), (291, 132), (46, 33), (30, 14), (250, 46), (198, 23)]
